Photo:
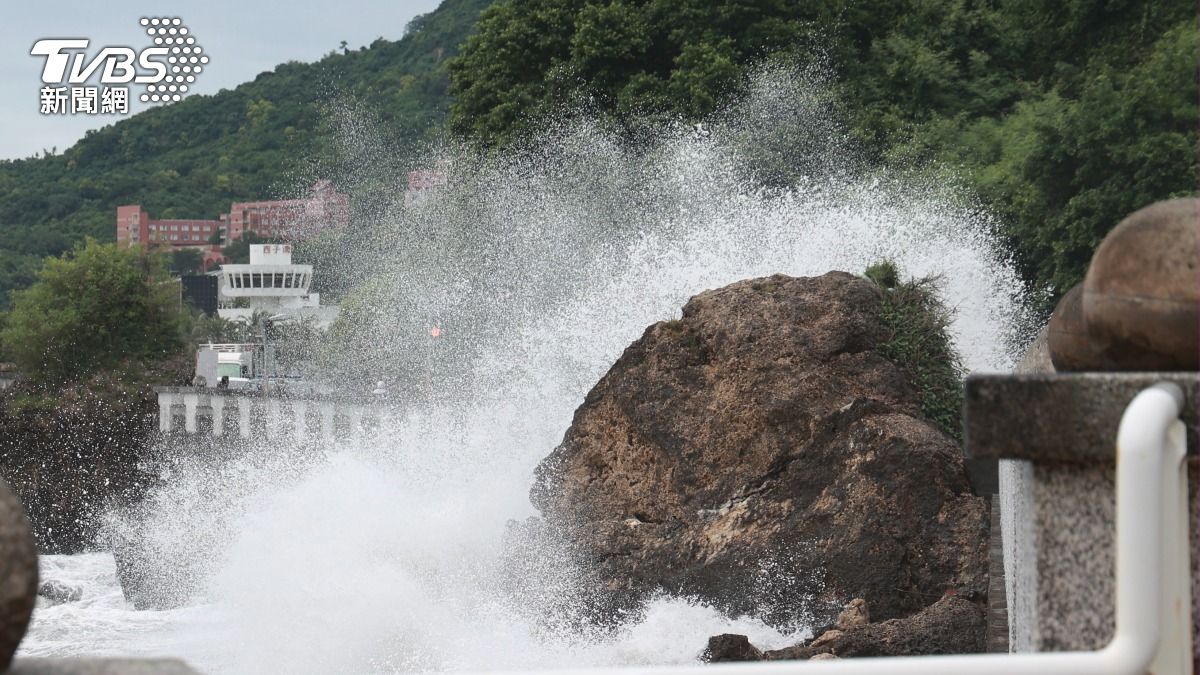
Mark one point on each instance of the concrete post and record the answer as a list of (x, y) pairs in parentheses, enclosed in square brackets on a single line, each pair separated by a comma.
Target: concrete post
[(299, 415), (1055, 433), (164, 411), (243, 417), (274, 421), (356, 425), (190, 403), (327, 423), (218, 418)]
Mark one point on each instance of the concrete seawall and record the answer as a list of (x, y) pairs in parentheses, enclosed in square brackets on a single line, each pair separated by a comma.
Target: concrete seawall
[(1055, 437)]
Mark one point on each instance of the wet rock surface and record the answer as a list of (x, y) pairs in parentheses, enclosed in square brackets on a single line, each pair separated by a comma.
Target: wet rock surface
[(56, 592), (730, 647), (760, 454), (951, 625), (18, 574)]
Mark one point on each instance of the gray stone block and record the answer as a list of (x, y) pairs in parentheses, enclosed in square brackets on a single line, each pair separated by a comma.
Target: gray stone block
[(95, 666), (1064, 417)]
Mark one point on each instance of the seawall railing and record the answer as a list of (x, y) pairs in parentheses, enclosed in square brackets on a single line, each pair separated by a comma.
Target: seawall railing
[(216, 412)]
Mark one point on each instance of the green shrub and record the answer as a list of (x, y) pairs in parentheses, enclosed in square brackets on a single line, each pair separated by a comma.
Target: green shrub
[(92, 308), (920, 343), (884, 274)]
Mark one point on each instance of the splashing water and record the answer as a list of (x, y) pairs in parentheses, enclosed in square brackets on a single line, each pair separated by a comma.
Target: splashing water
[(543, 266)]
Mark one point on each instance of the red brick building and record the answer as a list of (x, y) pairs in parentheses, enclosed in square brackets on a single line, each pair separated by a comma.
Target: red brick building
[(289, 219)]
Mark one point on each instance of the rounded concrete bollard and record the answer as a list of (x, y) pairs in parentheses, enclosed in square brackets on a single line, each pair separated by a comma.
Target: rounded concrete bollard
[(18, 574), (1067, 339), (1142, 291)]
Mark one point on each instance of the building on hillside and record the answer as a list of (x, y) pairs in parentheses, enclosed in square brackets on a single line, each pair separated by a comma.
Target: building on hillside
[(291, 219), (423, 183), (270, 285)]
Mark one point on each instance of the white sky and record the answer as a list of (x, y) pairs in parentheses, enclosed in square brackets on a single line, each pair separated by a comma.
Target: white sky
[(241, 37)]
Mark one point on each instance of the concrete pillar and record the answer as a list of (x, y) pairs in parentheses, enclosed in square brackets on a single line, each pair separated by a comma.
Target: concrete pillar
[(274, 420), (218, 408), (327, 423), (299, 415), (243, 417), (356, 424), (190, 403), (1056, 437), (164, 411)]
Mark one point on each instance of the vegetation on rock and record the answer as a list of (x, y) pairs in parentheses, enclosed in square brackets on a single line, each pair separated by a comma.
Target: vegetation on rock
[(920, 344)]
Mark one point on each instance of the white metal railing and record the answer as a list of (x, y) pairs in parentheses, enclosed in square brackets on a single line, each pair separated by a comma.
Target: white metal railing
[(1153, 591)]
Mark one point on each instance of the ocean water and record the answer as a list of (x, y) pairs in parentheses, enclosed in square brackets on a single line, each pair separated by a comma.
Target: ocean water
[(390, 555)]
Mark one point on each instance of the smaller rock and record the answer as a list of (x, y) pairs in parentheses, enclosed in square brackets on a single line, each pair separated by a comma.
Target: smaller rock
[(824, 657), (856, 613), (56, 592), (730, 647), (826, 638)]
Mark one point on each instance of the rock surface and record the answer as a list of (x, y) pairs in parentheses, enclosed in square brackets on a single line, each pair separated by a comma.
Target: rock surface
[(729, 647), (56, 592), (18, 574), (951, 625), (855, 614), (761, 455)]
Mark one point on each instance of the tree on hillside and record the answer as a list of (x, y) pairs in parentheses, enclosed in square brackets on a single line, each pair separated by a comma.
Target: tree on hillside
[(642, 59), (185, 261), (238, 253), (91, 309)]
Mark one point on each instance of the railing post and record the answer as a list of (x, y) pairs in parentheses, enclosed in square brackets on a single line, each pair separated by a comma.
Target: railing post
[(190, 403), (164, 411), (218, 407)]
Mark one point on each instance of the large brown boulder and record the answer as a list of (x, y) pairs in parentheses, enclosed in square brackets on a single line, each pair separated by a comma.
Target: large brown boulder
[(762, 455)]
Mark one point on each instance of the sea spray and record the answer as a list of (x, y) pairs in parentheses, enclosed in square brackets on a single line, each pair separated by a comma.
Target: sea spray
[(538, 267)]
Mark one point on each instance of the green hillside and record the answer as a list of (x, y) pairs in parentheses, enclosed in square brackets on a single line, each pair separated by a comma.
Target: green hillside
[(1064, 116), (192, 158)]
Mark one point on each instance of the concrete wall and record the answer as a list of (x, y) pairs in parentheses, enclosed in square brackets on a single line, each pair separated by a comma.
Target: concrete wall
[(1056, 437)]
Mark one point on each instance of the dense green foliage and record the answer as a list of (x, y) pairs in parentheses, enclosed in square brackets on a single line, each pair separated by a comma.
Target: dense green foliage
[(269, 137), (93, 308), (1064, 116), (920, 344)]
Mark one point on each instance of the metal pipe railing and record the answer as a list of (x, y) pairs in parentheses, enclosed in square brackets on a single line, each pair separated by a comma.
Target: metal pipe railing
[(1150, 453)]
